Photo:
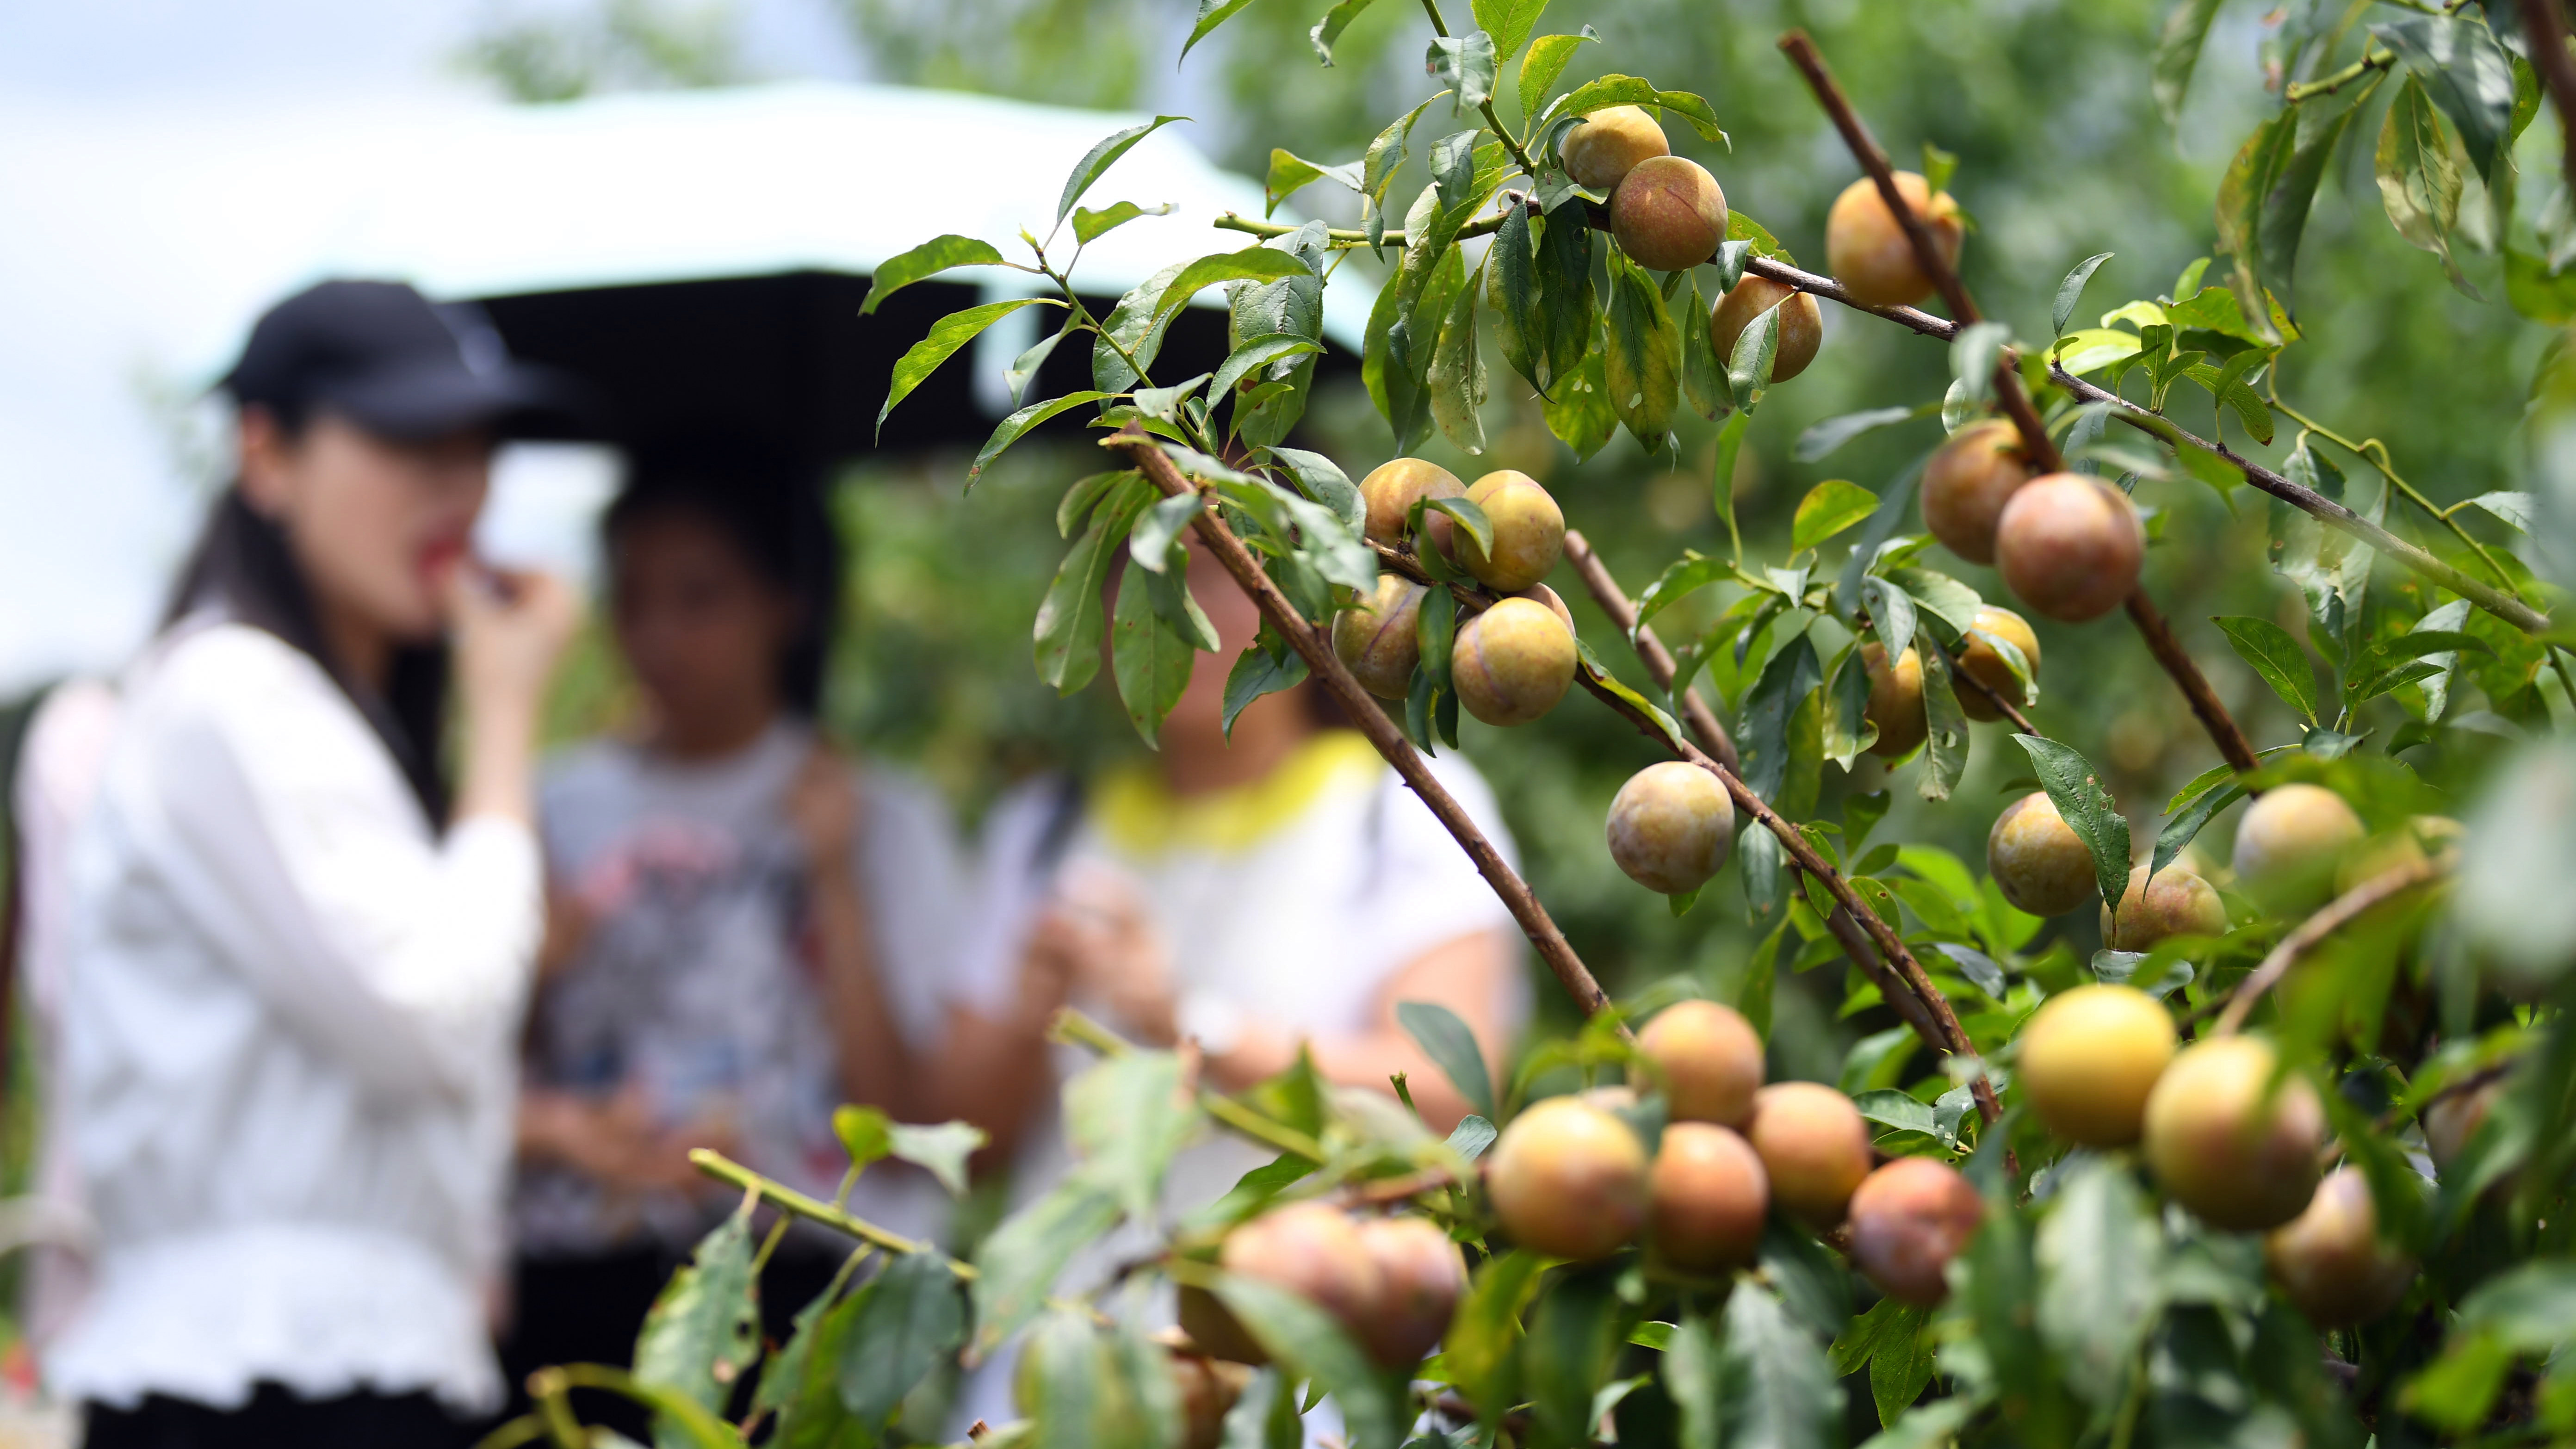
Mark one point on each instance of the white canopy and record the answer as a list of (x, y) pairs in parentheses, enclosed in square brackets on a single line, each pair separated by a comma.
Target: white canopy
[(143, 243)]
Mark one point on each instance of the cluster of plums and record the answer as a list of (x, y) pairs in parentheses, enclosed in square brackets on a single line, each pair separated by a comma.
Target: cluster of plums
[(1509, 664), (1571, 1179), (1390, 1282), (2068, 544)]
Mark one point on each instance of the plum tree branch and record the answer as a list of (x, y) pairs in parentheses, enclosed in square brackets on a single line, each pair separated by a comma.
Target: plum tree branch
[(1142, 452), (815, 1210), (2036, 443), (2546, 31), (1073, 1027), (1930, 1015), (2334, 916)]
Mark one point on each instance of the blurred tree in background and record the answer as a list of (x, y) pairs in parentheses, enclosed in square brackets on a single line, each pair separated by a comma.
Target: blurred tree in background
[(2063, 152)]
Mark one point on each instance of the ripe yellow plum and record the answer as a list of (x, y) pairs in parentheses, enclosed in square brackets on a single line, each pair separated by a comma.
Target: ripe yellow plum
[(1608, 145), (1867, 250), (2230, 1143), (1814, 1147), (1802, 324), (2070, 546), (1709, 1198), (1569, 1180), (2331, 1261), (1966, 485), (1908, 1220), (1379, 640), (2176, 903), (2290, 844), (1668, 213), (1986, 663), (2037, 860), (1512, 663), (2090, 1056), (1710, 1058), (1392, 488), (1670, 827), (1895, 700)]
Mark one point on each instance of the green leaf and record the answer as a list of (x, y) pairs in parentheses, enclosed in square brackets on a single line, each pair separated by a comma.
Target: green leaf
[(1090, 226), (1017, 1266), (703, 1330), (1544, 63), (2264, 199), (1445, 1039), (1509, 22), (1704, 382), (1328, 32), (1573, 1330), (1106, 153), (1024, 368), (1290, 173), (1973, 354), (1462, 513), (1628, 90), (1068, 1385), (1748, 368), (866, 1133), (1512, 290), (1150, 660), (2273, 654), (1435, 631), (2087, 807), (1889, 1341), (1778, 1388), (950, 333), (1257, 353), (1268, 666), (1456, 381), (1081, 496), (1641, 366), (1386, 154), (1465, 64), (1938, 167), (1580, 414), (1823, 438), (1828, 509), (932, 257), (2098, 1253), (1472, 1136), (1307, 1340), (1068, 627), (1684, 576), (1565, 301), (1323, 480), (1127, 1115), (939, 1148), (2466, 73), (1788, 676), (2181, 829), (1017, 425), (909, 1318), (1691, 1378), (2177, 54), (1150, 542), (1891, 1108), (2418, 163), (1135, 330), (1945, 737), (1252, 264), (1941, 596), (1478, 1350), (797, 1383)]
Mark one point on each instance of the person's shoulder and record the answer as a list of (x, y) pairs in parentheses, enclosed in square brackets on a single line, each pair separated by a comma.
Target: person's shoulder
[(222, 661)]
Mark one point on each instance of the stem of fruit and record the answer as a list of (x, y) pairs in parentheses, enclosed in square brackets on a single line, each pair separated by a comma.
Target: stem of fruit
[(1658, 660), (1909, 991), (1614, 601), (1072, 1026), (2546, 33), (788, 1199), (2336, 914), (1142, 452), (2036, 443)]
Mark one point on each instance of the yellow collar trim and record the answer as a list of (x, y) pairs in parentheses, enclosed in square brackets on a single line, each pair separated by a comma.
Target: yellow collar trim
[(1139, 816)]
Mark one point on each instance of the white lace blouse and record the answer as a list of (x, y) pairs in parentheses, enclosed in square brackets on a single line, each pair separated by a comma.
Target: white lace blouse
[(289, 1029)]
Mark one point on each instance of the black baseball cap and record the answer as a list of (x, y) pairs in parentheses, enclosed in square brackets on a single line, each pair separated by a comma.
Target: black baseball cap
[(383, 356)]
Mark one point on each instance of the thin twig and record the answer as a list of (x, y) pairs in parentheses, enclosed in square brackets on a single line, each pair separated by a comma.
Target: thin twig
[(2036, 443), (788, 1199), (2545, 33), (2328, 84), (1143, 452), (2334, 916)]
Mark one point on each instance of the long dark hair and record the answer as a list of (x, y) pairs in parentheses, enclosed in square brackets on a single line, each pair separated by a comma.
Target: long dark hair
[(773, 515), (243, 566)]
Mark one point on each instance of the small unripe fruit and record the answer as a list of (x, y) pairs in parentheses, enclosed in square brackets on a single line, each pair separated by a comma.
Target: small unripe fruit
[(1313, 1250), (1379, 640), (1528, 530), (2037, 860), (1983, 661), (1814, 1147), (1391, 489), (1711, 1060), (1512, 663), (1968, 482), (2290, 844), (1542, 594), (2070, 546), (1422, 1275), (2176, 903), (1569, 1180), (2422, 838), (1668, 213), (1608, 145), (2226, 1142), (1908, 1220), (2330, 1261), (2090, 1056), (1670, 827), (1895, 700), (1709, 1198), (1802, 324), (1868, 251)]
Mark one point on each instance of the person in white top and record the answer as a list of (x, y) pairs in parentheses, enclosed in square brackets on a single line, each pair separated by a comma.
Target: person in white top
[(752, 929), (296, 969), (1273, 892)]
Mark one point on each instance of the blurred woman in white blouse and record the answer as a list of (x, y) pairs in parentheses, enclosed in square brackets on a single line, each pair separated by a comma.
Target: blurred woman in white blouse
[(297, 965)]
